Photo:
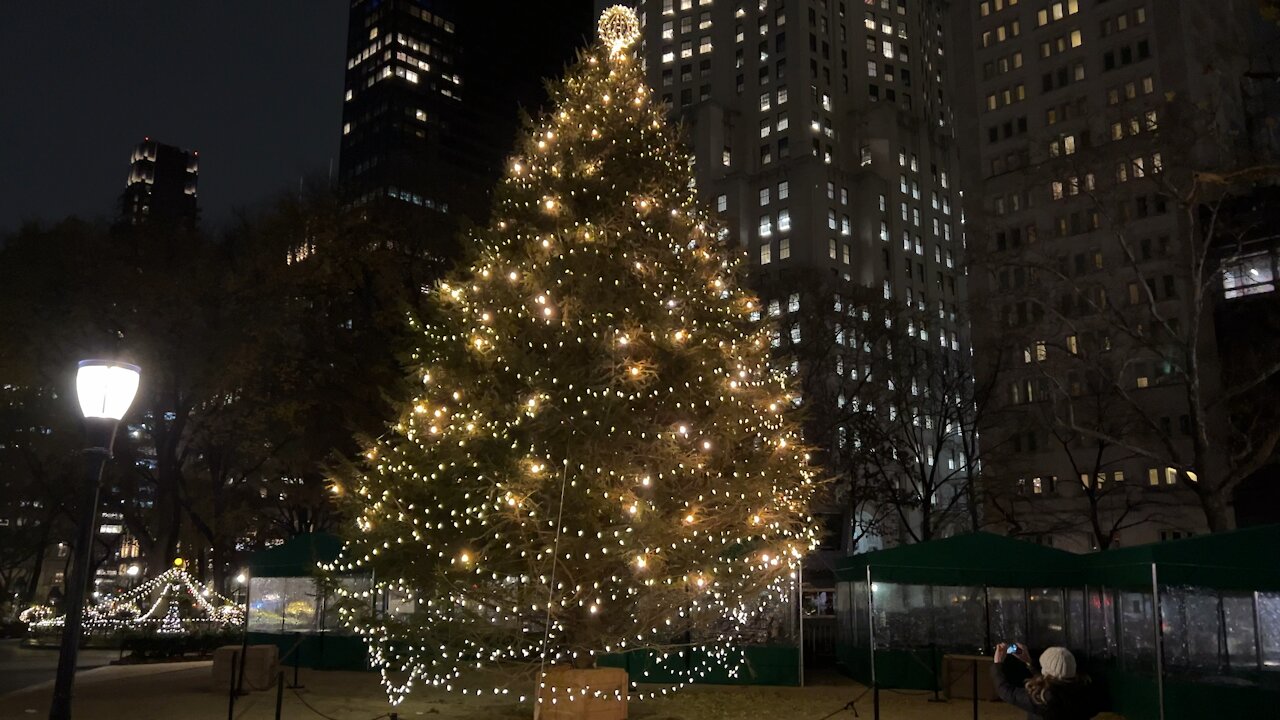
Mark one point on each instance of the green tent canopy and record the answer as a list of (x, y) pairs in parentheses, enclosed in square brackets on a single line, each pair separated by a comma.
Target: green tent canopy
[(1237, 560), (296, 557), (972, 559)]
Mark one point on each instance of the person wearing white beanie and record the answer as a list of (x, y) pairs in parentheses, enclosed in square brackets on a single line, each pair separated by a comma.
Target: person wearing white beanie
[(1057, 692), (1057, 663)]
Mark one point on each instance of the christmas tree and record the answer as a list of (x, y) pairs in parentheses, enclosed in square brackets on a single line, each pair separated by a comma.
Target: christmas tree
[(599, 457)]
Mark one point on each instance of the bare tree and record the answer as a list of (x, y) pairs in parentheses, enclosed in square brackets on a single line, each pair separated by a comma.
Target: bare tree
[(1133, 367), (894, 404), (918, 431)]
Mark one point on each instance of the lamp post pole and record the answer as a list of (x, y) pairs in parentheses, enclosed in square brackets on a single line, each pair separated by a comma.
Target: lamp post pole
[(105, 390), (76, 586)]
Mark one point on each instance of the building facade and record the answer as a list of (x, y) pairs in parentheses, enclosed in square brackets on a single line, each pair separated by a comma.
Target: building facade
[(432, 104), (161, 187), (823, 136), (407, 140), (1078, 120)]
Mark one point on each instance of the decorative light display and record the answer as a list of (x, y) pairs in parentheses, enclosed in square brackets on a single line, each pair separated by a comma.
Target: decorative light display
[(598, 456), (171, 603)]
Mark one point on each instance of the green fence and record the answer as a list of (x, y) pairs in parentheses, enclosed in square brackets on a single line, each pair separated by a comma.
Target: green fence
[(1173, 631)]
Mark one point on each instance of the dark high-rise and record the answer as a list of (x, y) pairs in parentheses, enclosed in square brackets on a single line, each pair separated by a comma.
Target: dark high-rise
[(1079, 124), (161, 188), (408, 137), (432, 100)]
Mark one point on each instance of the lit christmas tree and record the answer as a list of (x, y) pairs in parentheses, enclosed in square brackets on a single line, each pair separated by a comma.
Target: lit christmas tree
[(599, 457)]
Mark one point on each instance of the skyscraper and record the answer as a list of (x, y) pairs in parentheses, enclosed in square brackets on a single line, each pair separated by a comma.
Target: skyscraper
[(822, 134), (161, 188), (432, 99), (407, 138), (1077, 121)]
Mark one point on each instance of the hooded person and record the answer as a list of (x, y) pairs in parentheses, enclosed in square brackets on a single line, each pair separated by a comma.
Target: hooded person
[(1057, 692)]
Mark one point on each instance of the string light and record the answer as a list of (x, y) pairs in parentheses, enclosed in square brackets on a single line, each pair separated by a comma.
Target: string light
[(599, 435), (158, 605)]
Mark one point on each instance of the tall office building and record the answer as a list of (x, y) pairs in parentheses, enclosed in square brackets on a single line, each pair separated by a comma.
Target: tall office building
[(1072, 111), (409, 139), (161, 187), (432, 103), (823, 135)]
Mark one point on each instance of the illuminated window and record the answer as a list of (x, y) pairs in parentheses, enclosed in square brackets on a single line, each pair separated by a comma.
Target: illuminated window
[(1252, 274)]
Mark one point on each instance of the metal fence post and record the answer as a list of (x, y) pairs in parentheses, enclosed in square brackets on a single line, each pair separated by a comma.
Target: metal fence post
[(975, 690), (871, 641), (1159, 637), (297, 659), (279, 693), (800, 615), (231, 684)]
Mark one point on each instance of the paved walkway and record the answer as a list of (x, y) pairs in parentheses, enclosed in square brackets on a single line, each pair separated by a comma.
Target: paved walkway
[(23, 667), (185, 690)]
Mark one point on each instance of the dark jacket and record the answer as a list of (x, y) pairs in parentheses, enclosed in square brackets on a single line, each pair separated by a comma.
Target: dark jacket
[(1072, 700)]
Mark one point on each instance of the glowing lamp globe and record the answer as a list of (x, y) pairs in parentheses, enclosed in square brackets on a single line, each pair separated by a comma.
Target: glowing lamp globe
[(105, 388), (619, 28)]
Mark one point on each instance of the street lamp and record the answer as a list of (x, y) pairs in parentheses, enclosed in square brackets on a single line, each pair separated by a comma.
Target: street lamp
[(105, 390)]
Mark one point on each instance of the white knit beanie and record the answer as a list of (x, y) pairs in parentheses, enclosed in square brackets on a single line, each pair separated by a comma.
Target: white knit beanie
[(1058, 663)]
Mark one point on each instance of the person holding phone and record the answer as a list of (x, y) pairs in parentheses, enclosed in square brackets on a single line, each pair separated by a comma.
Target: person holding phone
[(1057, 692)]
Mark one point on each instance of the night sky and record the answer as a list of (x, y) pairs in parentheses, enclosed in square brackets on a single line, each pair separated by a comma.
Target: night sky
[(254, 85)]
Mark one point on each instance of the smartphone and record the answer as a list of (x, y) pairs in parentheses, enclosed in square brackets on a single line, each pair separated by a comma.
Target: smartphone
[(1012, 649)]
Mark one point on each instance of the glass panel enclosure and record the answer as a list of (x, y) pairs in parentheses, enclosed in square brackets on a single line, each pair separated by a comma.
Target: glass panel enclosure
[(860, 618), (1101, 613), (1076, 625), (1192, 628), (1048, 618), (282, 604), (1008, 614), (844, 614), (1242, 646), (1269, 626), (959, 618), (902, 615), (1137, 639)]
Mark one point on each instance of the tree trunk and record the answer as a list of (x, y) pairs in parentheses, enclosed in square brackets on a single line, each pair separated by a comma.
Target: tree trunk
[(33, 583), (1217, 513), (971, 492)]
